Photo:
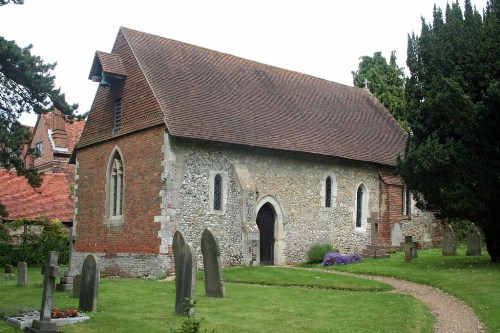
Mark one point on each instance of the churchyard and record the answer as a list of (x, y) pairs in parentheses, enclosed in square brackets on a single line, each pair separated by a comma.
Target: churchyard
[(270, 299)]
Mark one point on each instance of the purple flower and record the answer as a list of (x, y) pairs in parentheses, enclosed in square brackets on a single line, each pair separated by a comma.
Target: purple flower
[(335, 258)]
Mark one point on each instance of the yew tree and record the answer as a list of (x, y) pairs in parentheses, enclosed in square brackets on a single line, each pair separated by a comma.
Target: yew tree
[(453, 100)]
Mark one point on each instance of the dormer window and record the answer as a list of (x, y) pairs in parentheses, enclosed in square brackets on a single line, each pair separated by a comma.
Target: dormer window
[(118, 116)]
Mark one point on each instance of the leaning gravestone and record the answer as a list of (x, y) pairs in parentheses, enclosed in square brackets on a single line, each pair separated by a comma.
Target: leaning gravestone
[(89, 284), (50, 272), (473, 241), (449, 246), (214, 282), (22, 274), (185, 275), (9, 269)]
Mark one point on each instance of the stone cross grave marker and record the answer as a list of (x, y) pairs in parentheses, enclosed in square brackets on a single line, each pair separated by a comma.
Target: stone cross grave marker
[(410, 248), (22, 274), (89, 284), (473, 241), (214, 282), (185, 275), (50, 272), (449, 246)]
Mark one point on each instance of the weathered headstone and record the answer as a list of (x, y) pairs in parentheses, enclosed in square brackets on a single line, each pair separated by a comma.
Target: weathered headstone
[(449, 246), (77, 282), (89, 284), (50, 272), (22, 274), (66, 283), (9, 269), (185, 275), (473, 241), (214, 282), (396, 235), (410, 248)]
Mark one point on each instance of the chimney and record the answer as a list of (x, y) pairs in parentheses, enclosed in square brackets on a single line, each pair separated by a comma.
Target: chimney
[(59, 133)]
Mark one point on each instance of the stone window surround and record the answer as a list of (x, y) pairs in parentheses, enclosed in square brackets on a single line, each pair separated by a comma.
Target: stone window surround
[(108, 219), (225, 180), (407, 203), (333, 189), (364, 208)]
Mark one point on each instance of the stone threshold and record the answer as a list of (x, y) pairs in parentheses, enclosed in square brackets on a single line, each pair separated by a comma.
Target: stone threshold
[(26, 320)]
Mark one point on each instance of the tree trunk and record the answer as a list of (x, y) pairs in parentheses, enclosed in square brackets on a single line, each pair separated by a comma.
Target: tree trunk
[(491, 229)]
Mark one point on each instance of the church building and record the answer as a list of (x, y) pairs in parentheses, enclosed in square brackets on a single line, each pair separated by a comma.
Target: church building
[(184, 138)]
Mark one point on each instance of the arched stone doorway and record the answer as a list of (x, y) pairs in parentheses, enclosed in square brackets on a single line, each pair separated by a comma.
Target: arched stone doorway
[(265, 222)]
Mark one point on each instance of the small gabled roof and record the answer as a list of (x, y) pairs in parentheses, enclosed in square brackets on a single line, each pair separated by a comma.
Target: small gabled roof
[(53, 199), (73, 129), (106, 63)]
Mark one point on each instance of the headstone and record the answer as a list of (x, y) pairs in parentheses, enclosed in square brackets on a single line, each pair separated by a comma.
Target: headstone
[(396, 235), (410, 248), (185, 275), (22, 274), (50, 272), (214, 282), (449, 246), (89, 284), (66, 283), (9, 269), (473, 241), (77, 282)]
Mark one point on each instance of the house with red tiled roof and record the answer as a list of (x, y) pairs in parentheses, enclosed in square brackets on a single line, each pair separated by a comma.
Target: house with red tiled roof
[(182, 138), (54, 138)]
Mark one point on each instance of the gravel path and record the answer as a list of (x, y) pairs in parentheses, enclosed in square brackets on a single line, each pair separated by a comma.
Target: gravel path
[(452, 315)]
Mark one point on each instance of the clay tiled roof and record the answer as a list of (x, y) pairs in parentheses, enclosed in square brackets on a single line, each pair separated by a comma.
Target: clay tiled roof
[(107, 63), (209, 95), (53, 199), (391, 179)]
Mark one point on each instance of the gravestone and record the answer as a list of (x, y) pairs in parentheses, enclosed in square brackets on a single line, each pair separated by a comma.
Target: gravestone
[(396, 235), (214, 282), (89, 284), (77, 282), (410, 248), (473, 241), (185, 275), (9, 269), (50, 272), (449, 246), (22, 274)]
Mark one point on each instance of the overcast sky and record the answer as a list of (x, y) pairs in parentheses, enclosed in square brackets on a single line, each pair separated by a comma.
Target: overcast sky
[(323, 38)]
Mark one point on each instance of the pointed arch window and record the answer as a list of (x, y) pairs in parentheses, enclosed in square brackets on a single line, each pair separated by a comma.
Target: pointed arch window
[(359, 207), (115, 190), (218, 182)]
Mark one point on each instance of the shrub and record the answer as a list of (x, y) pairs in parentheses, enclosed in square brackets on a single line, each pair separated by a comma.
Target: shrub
[(317, 252), (335, 258)]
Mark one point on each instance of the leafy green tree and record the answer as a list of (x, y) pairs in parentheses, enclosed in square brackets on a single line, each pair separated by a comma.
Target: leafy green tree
[(453, 101), (386, 81), (26, 84)]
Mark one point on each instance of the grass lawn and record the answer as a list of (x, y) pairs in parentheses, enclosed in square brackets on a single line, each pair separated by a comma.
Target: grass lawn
[(474, 280), (259, 299)]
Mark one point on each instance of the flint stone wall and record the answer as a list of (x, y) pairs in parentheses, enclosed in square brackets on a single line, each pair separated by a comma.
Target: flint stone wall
[(294, 180)]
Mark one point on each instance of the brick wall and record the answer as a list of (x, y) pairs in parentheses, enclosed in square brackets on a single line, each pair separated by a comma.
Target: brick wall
[(391, 208), (142, 159)]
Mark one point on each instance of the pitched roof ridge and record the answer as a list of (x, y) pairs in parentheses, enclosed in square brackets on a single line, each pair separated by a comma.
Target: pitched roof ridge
[(124, 32)]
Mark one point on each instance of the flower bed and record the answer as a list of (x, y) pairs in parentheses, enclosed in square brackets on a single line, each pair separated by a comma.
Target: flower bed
[(335, 258)]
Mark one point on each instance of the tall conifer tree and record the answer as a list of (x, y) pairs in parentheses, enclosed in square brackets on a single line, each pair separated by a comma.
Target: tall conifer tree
[(453, 101)]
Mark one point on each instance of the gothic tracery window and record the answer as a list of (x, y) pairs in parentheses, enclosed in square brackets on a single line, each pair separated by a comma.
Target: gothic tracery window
[(115, 190)]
